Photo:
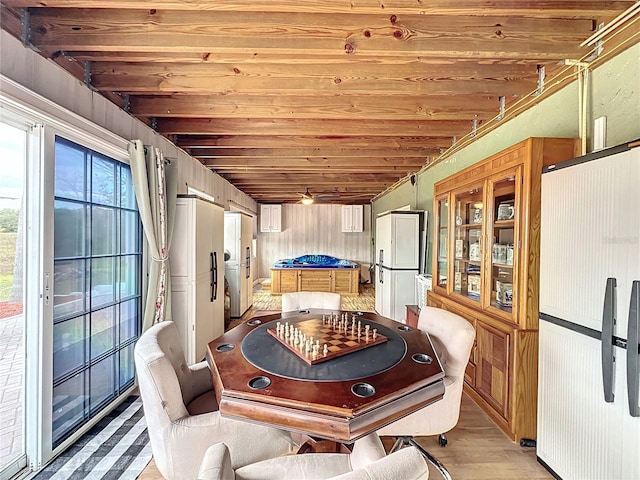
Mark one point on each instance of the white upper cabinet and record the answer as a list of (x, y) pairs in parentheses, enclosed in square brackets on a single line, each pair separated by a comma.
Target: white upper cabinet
[(352, 218), (270, 218)]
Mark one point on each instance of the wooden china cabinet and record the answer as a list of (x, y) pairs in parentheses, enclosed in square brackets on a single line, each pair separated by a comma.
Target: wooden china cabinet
[(485, 268)]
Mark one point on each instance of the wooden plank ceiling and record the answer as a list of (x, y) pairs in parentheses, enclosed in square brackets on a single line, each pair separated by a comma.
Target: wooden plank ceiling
[(343, 97)]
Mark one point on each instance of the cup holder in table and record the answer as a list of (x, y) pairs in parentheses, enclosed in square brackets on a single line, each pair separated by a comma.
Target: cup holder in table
[(404, 328), (225, 347), (260, 382), (254, 322), (421, 358), (363, 390), (304, 311)]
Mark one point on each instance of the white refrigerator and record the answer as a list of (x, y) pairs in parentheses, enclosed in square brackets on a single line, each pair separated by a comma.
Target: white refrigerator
[(589, 356), (397, 262), (238, 237)]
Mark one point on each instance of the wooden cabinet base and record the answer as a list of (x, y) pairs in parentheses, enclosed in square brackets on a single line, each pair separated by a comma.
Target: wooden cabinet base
[(502, 374), (340, 280)]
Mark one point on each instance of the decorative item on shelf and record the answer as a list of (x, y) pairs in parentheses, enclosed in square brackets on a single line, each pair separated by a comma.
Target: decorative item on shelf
[(476, 214), (473, 285), (458, 220), (474, 251), (509, 254), (505, 211), (504, 293), (460, 282), (461, 251), (500, 253)]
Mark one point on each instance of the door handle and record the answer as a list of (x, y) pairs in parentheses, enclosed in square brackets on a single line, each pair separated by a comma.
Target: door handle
[(633, 350), (215, 276), (211, 272), (606, 346)]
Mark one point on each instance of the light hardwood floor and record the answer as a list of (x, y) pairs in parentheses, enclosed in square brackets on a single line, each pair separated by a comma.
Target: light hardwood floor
[(477, 449)]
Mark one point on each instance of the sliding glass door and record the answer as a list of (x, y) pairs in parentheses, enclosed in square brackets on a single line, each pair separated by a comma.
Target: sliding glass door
[(13, 155), (71, 277), (97, 259)]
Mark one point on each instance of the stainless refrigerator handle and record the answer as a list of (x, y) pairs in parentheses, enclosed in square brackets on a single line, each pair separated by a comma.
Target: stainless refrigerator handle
[(608, 322), (633, 350)]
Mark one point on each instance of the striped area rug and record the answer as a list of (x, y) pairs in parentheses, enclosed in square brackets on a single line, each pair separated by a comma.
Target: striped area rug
[(117, 447)]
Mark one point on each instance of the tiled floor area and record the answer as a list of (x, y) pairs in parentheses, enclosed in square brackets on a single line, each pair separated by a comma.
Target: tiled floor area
[(11, 382)]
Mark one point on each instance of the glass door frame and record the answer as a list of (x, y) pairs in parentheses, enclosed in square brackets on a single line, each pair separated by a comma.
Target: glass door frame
[(491, 210), (461, 222), (438, 226), (48, 167), (32, 245), (44, 120)]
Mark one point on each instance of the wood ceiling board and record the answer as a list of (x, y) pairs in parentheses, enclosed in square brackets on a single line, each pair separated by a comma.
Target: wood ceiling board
[(362, 91), (379, 35), (538, 8), (301, 141), (351, 155), (375, 107), (311, 127)]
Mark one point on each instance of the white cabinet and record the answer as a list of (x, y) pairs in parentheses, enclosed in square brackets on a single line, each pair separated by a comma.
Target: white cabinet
[(270, 218), (589, 361), (197, 264), (238, 237), (352, 218)]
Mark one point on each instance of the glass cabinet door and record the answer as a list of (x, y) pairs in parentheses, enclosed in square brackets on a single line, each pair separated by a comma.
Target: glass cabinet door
[(504, 197), (442, 248), (468, 248)]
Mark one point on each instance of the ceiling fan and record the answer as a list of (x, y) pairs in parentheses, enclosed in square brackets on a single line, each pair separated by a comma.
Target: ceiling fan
[(308, 198)]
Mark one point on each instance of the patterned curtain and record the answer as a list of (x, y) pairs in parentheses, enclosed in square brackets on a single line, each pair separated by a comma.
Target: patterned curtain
[(155, 185)]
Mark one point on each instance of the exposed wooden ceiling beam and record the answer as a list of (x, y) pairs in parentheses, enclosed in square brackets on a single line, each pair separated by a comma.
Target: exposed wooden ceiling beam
[(343, 164), (540, 8), (351, 155), (270, 127), (311, 141), (464, 36), (450, 78), (436, 107)]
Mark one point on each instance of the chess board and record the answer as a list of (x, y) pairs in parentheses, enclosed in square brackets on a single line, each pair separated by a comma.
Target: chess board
[(339, 341)]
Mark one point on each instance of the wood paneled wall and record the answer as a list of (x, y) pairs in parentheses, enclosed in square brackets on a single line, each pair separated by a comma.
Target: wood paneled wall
[(315, 229)]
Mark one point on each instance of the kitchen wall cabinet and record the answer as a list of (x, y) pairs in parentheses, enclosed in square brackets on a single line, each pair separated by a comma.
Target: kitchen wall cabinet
[(486, 267), (352, 218), (270, 218)]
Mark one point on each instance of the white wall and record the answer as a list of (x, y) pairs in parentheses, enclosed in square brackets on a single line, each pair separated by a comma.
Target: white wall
[(315, 229)]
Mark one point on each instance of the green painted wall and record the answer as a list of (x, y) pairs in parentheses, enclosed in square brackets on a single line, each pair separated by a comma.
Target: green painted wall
[(614, 93)]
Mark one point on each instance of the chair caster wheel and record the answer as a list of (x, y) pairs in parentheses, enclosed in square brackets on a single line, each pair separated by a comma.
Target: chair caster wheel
[(442, 440)]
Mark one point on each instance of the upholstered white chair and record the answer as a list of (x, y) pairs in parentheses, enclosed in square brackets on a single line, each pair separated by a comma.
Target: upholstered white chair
[(452, 338), (296, 301), (367, 461), (181, 411)]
